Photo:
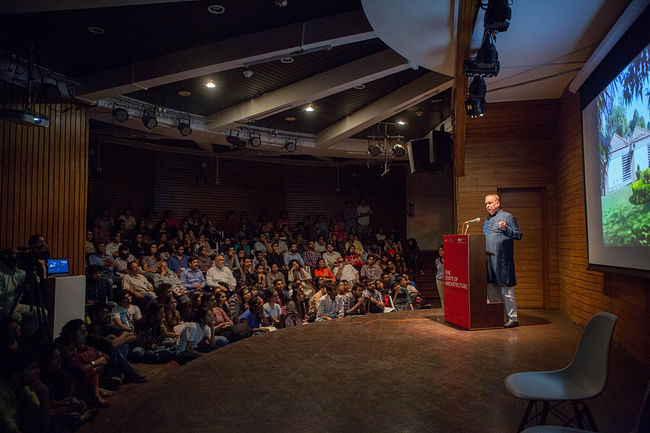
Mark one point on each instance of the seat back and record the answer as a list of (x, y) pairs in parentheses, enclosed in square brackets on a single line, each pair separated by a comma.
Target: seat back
[(589, 367)]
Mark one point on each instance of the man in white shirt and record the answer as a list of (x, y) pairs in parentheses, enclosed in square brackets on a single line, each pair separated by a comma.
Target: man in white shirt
[(331, 256), (219, 274), (347, 272)]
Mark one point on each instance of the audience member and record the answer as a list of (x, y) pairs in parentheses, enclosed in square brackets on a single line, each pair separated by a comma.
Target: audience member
[(220, 275), (178, 261), (137, 285), (330, 306), (192, 277), (354, 302)]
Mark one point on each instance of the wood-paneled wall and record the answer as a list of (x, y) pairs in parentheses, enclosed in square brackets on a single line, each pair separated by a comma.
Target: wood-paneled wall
[(43, 178), (583, 292), (512, 148), (158, 181)]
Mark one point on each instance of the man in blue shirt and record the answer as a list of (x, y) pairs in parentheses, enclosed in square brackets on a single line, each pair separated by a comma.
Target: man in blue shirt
[(192, 277), (500, 229), (178, 262), (293, 254)]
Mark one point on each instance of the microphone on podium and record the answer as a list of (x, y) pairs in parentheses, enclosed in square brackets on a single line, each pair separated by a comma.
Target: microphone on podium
[(468, 222)]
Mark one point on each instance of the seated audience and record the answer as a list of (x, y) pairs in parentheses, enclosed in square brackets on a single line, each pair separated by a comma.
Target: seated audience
[(297, 272), (125, 314), (311, 256), (98, 288), (192, 277), (178, 261), (193, 335), (293, 254), (297, 304), (114, 244), (274, 274), (124, 257), (330, 306), (238, 303), (353, 257), (205, 261), (253, 316), (106, 261), (346, 271), (137, 285), (151, 262), (271, 308), (331, 256), (165, 276), (371, 269), (374, 297), (401, 298), (152, 344), (354, 302), (245, 275), (220, 275), (323, 271)]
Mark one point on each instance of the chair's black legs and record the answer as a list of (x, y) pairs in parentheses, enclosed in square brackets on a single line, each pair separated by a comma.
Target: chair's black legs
[(524, 419), (578, 414), (590, 419), (544, 413)]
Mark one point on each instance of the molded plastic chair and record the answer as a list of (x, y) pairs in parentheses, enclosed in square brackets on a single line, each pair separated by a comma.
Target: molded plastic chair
[(642, 422), (584, 378)]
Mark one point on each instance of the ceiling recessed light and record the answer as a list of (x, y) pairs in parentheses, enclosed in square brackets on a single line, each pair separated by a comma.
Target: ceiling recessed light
[(309, 108), (184, 93), (401, 122), (96, 30), (210, 84), (281, 3), (360, 86), (247, 73), (290, 119), (216, 9), (287, 60)]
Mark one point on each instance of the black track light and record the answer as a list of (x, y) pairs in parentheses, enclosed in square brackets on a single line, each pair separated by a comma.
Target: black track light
[(475, 105), (120, 114), (149, 120), (290, 145), (184, 128), (255, 140), (398, 150), (497, 15), (374, 149)]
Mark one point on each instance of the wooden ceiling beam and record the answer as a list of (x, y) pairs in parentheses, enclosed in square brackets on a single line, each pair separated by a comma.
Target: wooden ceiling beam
[(332, 31), (399, 100), (467, 11), (364, 70)]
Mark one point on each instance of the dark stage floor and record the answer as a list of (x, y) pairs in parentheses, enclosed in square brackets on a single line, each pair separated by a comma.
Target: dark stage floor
[(399, 372)]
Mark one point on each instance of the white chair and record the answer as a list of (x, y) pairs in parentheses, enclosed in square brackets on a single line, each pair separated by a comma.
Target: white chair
[(583, 379), (642, 422)]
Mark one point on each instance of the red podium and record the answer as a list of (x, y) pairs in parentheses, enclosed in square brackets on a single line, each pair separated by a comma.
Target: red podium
[(466, 284)]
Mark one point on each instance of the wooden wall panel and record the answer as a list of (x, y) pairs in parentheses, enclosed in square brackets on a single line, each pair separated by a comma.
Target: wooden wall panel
[(43, 180), (583, 292), (512, 148), (165, 180)]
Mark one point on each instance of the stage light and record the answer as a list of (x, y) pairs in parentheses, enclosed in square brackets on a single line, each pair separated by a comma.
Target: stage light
[(374, 149), (235, 140), (210, 84), (184, 128), (398, 150), (120, 114), (290, 146), (497, 15), (255, 140), (149, 120), (475, 105), (401, 122), (248, 73), (486, 63), (309, 108)]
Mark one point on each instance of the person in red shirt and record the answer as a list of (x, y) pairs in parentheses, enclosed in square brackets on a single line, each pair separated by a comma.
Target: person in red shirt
[(322, 270)]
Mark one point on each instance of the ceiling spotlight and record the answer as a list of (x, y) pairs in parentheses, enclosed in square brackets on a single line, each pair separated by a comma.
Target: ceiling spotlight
[(497, 15), (419, 113), (360, 86), (255, 140), (398, 150), (374, 149), (290, 145), (210, 84), (401, 122), (50, 91), (184, 128), (281, 3), (486, 63), (235, 140), (184, 93), (216, 9), (475, 104), (96, 30), (247, 73), (286, 60), (309, 108), (120, 114), (149, 120)]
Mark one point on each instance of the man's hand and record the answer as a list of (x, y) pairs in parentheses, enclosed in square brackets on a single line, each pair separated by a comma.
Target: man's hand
[(503, 225)]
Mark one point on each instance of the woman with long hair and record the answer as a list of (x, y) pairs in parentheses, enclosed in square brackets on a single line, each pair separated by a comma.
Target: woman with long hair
[(150, 261)]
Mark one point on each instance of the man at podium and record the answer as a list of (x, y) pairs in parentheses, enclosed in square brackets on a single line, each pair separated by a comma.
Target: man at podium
[(500, 229)]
